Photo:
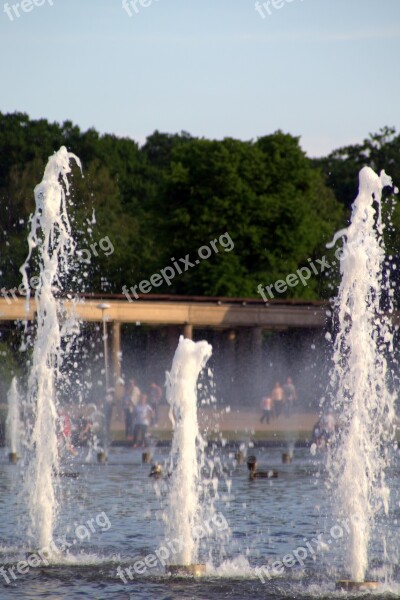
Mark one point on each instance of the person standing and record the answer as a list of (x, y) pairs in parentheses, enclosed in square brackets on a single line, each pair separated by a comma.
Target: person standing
[(108, 409), (290, 396), (64, 432), (143, 415), (278, 398), (135, 393), (130, 401), (127, 405), (266, 405), (155, 395)]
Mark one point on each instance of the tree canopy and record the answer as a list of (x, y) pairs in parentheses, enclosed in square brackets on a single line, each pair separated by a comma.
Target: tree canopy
[(177, 193)]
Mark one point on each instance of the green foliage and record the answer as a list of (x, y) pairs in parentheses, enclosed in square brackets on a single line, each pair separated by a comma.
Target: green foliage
[(379, 151), (178, 193), (265, 195)]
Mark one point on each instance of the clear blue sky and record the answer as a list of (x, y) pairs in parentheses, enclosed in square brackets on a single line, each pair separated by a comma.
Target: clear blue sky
[(325, 70)]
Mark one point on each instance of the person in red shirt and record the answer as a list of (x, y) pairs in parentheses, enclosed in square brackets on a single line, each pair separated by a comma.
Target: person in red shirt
[(65, 432)]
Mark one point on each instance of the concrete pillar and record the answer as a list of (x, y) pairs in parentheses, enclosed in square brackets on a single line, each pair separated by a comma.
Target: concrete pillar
[(249, 365), (228, 367), (116, 357), (173, 333), (243, 368), (152, 354), (257, 361), (188, 331), (106, 350)]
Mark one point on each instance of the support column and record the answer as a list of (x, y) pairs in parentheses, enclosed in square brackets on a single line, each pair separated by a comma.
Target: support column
[(173, 333), (116, 357), (257, 360), (153, 343), (242, 368), (228, 368), (188, 331), (250, 365)]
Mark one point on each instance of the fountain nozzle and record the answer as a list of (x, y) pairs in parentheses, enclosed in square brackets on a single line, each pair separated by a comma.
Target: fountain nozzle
[(13, 458), (347, 585), (195, 570)]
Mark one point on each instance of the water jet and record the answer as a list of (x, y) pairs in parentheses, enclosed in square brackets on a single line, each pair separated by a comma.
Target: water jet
[(50, 237), (14, 427), (184, 510), (359, 392)]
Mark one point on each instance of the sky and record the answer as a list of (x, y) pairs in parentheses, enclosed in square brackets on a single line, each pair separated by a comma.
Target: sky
[(324, 70)]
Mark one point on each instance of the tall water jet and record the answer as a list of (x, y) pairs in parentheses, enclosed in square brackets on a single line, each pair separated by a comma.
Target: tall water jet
[(50, 237), (361, 398), (184, 510), (13, 421)]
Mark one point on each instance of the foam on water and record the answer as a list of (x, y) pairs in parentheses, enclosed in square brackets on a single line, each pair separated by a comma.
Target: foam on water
[(183, 514), (361, 398), (238, 567), (51, 238)]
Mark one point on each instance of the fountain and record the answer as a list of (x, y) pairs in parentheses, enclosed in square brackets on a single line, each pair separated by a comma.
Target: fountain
[(13, 422), (50, 236), (266, 520), (184, 510), (361, 399)]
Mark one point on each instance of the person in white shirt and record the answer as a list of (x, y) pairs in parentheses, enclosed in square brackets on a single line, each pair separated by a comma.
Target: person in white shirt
[(143, 415), (135, 393), (130, 400)]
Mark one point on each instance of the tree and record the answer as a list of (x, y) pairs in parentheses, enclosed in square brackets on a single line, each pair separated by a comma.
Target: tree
[(171, 197), (265, 195)]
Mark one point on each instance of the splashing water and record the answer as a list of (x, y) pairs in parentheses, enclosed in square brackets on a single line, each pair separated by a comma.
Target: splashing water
[(50, 236), (361, 398), (184, 511), (13, 421)]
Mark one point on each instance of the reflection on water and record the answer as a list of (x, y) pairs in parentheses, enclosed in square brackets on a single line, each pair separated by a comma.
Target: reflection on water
[(269, 519)]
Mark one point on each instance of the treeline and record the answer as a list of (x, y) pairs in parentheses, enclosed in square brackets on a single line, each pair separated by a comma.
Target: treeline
[(176, 193)]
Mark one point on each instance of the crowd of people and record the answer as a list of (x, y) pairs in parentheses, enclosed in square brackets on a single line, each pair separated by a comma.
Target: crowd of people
[(140, 411), (72, 434), (281, 400)]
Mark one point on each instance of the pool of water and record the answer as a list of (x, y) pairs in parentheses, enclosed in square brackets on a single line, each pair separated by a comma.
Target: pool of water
[(110, 520)]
